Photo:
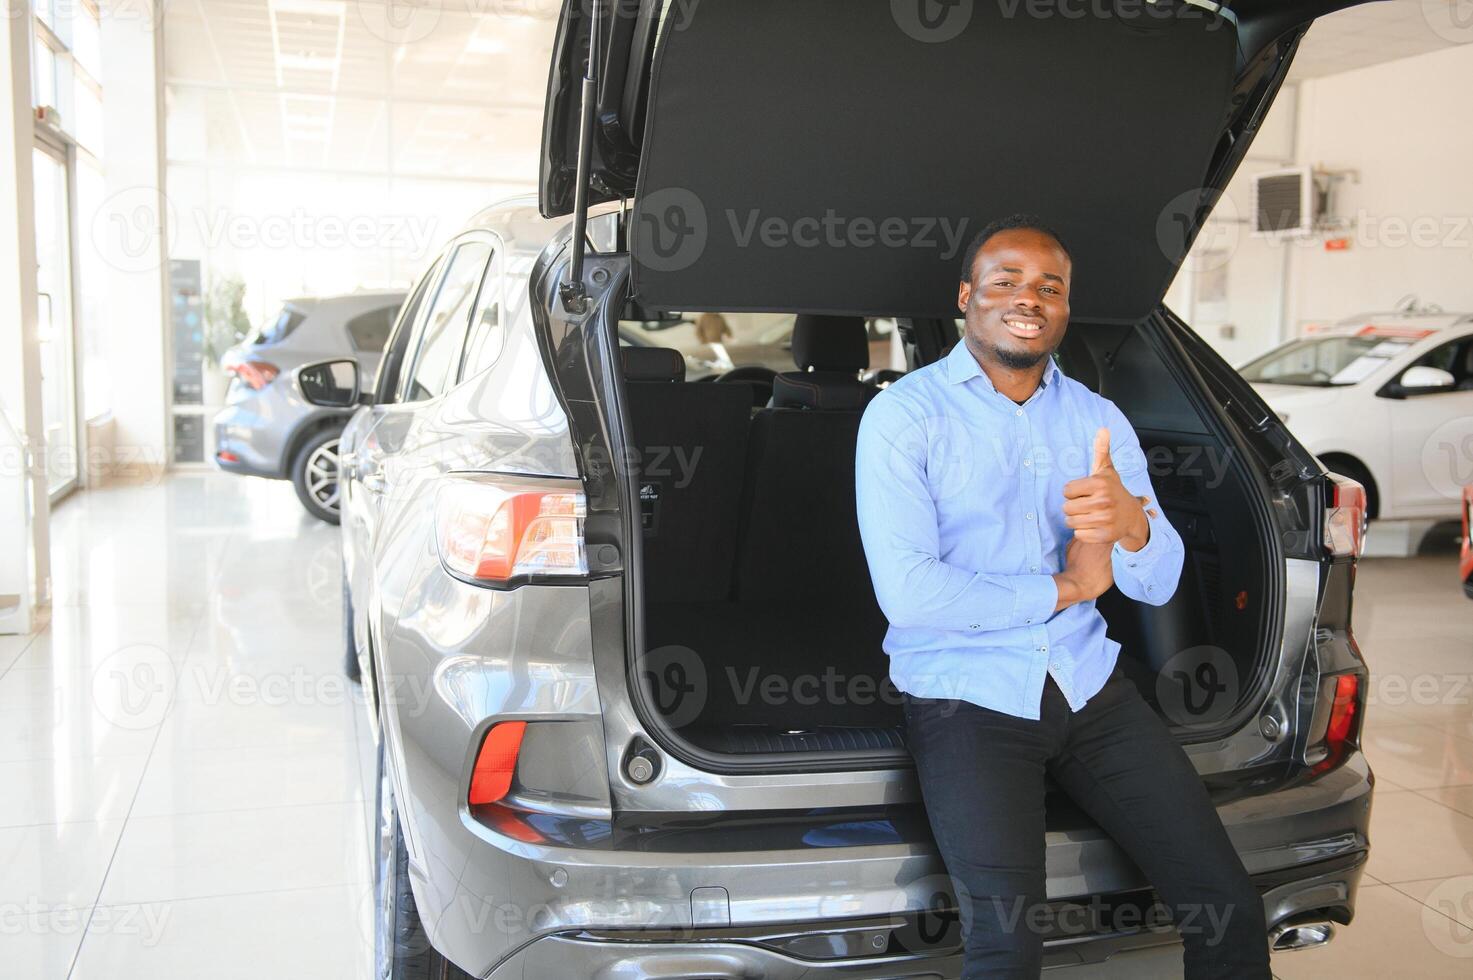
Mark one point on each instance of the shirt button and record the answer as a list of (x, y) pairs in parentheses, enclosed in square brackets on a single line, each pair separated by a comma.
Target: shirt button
[(1033, 568), (1018, 412), (1150, 588), (977, 626), (1044, 649), (1027, 462), (1029, 515)]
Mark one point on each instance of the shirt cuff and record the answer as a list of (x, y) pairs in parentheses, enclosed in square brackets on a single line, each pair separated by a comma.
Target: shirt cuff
[(1034, 600), (1149, 551)]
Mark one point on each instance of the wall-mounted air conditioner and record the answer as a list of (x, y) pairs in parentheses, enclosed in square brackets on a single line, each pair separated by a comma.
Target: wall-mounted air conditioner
[(1288, 203)]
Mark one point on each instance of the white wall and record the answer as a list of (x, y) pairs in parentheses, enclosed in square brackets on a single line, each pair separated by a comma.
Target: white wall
[(1399, 124), (130, 228), (1247, 322), (1405, 126)]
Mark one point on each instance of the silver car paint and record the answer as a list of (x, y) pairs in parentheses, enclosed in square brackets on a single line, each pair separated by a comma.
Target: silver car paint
[(261, 427), (452, 659)]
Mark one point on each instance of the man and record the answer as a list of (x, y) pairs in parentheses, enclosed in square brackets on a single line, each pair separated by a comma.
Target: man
[(997, 500)]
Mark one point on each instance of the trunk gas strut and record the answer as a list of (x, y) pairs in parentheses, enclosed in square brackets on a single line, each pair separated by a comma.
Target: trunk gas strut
[(572, 292)]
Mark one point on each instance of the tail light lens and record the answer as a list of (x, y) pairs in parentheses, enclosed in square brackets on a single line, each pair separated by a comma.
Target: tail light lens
[(1344, 691), (496, 762), (1345, 518), (508, 531), (254, 374)]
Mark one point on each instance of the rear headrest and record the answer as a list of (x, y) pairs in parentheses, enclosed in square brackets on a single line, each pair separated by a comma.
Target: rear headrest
[(652, 363), (830, 343), (824, 390)]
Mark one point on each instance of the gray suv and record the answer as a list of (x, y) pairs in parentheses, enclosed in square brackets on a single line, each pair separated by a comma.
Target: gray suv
[(615, 627), (267, 428)]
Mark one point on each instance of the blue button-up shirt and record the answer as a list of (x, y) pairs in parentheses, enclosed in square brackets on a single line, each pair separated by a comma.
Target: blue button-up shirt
[(961, 495)]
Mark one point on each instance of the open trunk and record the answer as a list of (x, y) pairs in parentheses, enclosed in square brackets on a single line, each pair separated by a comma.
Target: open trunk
[(762, 632)]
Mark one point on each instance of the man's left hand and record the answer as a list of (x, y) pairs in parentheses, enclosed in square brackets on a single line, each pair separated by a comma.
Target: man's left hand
[(1100, 509)]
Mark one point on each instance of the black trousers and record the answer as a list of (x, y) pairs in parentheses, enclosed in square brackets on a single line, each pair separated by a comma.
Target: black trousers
[(982, 776)]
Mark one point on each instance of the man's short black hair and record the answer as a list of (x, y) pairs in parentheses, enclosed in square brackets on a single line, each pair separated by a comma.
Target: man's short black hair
[(1010, 223)]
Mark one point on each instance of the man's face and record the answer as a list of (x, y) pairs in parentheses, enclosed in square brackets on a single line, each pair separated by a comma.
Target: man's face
[(1017, 302)]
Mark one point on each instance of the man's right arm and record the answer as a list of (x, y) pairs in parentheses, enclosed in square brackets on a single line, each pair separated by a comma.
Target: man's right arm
[(897, 522)]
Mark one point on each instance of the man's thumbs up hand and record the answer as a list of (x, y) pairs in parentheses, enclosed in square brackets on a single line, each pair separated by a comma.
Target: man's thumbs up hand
[(1102, 453), (1100, 509)]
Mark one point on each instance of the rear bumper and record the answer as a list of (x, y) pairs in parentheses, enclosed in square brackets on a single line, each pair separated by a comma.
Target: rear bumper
[(1324, 889), (250, 439), (610, 911)]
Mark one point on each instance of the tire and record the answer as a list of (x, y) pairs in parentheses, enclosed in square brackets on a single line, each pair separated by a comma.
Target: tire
[(351, 667), (314, 475), (401, 947)]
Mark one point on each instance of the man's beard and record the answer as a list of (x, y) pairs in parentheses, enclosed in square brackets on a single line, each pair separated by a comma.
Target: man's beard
[(1017, 360)]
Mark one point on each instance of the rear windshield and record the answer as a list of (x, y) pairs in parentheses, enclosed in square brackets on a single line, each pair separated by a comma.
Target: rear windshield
[(1322, 362), (714, 343), (277, 330)]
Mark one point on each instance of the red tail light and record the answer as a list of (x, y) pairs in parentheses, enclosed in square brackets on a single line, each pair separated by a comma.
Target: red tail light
[(496, 762), (254, 374), (1343, 711), (511, 529), (1345, 518)]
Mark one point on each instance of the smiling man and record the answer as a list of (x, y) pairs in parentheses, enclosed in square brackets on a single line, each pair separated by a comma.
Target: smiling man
[(998, 499)]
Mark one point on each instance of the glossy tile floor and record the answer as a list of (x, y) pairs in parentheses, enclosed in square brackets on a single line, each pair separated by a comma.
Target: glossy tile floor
[(187, 776)]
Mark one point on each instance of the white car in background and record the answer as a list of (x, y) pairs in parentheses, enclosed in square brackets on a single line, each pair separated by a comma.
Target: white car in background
[(1385, 399)]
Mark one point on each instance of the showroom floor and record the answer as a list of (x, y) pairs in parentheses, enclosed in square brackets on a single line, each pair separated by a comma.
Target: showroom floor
[(186, 772)]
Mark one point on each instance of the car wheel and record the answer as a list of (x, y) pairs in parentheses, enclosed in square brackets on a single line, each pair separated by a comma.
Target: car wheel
[(401, 947), (351, 667), (315, 475)]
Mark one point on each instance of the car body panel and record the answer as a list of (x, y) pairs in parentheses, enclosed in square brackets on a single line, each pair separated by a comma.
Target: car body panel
[(263, 429), (582, 848), (1395, 439)]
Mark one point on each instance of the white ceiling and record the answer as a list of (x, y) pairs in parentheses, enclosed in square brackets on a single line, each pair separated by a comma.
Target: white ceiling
[(437, 89), (422, 88), (1375, 32)]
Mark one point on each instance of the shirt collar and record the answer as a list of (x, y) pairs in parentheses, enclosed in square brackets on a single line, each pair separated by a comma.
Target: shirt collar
[(962, 366)]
